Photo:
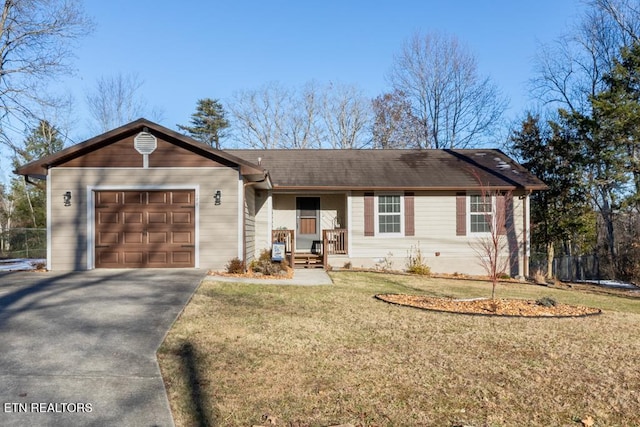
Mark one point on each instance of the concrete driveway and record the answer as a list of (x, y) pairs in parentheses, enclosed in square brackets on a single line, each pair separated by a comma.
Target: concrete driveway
[(79, 349)]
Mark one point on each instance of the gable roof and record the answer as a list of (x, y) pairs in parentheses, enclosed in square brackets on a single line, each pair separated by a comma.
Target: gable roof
[(330, 169), (39, 168), (392, 169)]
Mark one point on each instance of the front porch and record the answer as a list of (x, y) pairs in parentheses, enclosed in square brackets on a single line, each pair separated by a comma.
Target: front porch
[(334, 242), (313, 227)]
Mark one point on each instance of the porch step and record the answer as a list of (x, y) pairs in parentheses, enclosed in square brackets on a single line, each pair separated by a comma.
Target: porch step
[(307, 260)]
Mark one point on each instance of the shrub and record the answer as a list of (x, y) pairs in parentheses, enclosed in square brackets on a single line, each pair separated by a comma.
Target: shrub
[(546, 302), (539, 278), (416, 263), (264, 265), (235, 266)]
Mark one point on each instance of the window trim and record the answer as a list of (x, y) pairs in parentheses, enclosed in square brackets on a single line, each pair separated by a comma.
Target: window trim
[(377, 214), (469, 214)]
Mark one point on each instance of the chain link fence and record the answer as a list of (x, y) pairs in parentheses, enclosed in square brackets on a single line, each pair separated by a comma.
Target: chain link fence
[(23, 243)]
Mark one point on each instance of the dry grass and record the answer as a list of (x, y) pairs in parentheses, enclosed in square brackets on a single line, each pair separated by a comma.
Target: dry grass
[(318, 356)]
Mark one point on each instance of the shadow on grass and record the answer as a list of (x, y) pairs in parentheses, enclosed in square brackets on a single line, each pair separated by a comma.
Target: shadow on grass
[(202, 415), (395, 283)]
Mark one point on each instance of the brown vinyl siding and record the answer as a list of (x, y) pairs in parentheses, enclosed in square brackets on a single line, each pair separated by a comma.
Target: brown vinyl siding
[(123, 154)]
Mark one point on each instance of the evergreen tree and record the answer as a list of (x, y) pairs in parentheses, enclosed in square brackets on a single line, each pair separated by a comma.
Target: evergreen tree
[(617, 109), (561, 213), (29, 201), (208, 123)]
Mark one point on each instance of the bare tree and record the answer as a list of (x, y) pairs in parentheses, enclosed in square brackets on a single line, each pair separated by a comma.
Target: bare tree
[(496, 245), (394, 125), (259, 115), (455, 106), (116, 100), (571, 70), (346, 115), (300, 129), (36, 41), (314, 116)]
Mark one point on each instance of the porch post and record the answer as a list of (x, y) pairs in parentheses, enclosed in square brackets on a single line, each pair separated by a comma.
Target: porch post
[(325, 245)]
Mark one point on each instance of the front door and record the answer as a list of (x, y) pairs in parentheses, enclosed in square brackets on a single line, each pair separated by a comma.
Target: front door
[(308, 224)]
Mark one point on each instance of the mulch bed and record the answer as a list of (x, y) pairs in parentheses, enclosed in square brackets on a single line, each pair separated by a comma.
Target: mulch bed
[(488, 307)]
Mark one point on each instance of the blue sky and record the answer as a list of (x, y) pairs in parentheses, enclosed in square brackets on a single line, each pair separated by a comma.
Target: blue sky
[(187, 50)]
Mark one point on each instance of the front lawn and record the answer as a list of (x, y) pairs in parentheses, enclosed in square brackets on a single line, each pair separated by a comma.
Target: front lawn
[(243, 354)]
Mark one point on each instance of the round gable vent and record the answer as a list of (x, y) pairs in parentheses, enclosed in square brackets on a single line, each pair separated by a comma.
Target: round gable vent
[(145, 143)]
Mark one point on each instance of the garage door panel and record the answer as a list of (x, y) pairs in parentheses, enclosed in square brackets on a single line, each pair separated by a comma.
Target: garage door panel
[(133, 217), (133, 237), (182, 198), (108, 217), (145, 229), (134, 197), (181, 218), (158, 197), (108, 258), (181, 237), (158, 257), (158, 237), (158, 217), (108, 197), (108, 238), (182, 257), (133, 257)]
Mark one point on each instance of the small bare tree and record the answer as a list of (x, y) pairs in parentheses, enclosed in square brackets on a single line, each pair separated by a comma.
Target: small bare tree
[(492, 215)]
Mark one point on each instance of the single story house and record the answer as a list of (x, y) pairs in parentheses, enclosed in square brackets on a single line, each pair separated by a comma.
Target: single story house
[(145, 196)]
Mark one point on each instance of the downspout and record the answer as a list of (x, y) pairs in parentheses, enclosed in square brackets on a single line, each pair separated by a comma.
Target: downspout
[(525, 233)]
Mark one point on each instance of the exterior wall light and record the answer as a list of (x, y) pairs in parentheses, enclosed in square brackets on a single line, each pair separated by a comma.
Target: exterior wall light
[(67, 198), (217, 198)]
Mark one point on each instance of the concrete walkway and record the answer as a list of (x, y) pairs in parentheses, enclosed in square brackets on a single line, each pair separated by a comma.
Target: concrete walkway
[(79, 349), (301, 277)]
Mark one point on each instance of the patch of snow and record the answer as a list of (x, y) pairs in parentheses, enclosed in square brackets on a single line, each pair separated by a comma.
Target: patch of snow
[(609, 283), (20, 264)]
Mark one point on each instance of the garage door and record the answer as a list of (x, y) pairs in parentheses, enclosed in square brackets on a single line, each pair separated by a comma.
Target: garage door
[(138, 229)]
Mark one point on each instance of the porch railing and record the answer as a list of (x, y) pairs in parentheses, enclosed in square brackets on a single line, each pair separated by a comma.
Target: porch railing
[(334, 242), (288, 238)]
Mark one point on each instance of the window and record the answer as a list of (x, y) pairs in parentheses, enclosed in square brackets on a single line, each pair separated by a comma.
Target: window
[(480, 214), (389, 214)]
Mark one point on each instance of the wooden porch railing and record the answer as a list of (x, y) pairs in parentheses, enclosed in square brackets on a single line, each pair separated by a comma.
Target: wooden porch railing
[(334, 242), (288, 238)]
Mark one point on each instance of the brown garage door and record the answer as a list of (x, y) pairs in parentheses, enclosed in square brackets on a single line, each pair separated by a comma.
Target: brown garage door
[(137, 229)]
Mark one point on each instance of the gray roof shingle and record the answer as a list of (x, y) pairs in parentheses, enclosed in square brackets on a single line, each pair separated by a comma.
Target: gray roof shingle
[(391, 169)]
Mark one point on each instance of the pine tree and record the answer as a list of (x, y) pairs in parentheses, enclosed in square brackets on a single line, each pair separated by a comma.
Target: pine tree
[(208, 123), (29, 201), (560, 213)]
